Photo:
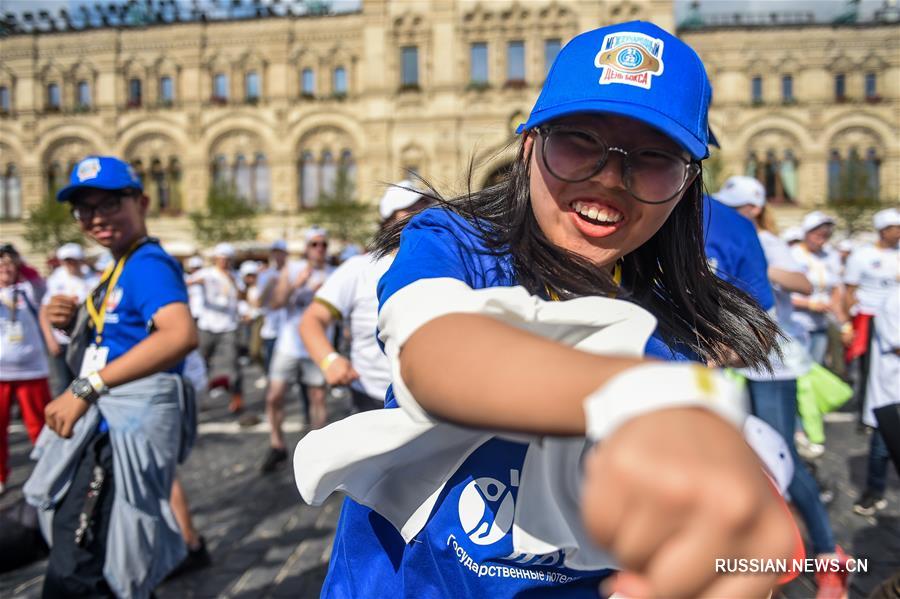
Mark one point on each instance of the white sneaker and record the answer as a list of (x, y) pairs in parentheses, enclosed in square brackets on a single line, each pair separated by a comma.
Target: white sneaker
[(2, 488), (261, 382), (807, 448)]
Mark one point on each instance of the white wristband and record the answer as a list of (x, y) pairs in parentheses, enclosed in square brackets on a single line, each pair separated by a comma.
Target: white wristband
[(97, 383), (652, 387)]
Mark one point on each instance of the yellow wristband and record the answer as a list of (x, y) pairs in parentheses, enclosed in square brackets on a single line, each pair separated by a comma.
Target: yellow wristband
[(847, 327), (328, 360)]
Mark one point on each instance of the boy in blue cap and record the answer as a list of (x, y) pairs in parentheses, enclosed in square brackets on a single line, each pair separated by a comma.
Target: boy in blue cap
[(107, 457)]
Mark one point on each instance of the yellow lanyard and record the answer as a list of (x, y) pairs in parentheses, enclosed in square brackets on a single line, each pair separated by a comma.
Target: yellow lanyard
[(111, 274), (617, 279)]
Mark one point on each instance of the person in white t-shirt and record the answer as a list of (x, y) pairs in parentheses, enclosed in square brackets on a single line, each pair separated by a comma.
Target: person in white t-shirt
[(73, 278), (773, 395), (249, 311), (871, 273), (218, 320), (824, 306), (272, 317), (294, 291), (23, 363), (882, 405), (350, 295), (195, 291)]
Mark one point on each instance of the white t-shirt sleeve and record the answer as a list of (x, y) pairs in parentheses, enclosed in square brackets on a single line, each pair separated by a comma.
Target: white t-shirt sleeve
[(854, 267), (339, 290), (778, 254)]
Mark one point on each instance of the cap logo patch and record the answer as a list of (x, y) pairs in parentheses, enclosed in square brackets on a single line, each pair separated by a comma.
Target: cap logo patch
[(630, 58), (88, 168)]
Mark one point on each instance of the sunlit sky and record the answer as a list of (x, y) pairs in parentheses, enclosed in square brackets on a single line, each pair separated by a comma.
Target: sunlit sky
[(823, 9)]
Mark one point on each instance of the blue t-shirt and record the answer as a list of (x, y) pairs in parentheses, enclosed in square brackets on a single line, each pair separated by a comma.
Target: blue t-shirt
[(150, 280), (451, 556), (734, 251)]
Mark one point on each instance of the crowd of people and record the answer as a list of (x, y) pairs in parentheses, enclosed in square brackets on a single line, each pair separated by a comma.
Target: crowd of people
[(596, 294)]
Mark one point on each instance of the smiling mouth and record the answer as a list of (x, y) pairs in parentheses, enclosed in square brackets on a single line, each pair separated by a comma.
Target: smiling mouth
[(597, 214)]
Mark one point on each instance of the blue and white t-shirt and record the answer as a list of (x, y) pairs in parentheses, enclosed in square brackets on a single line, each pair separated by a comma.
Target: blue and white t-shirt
[(465, 549), (150, 280)]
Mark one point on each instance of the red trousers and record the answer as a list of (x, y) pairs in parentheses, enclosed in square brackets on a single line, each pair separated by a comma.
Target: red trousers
[(33, 396)]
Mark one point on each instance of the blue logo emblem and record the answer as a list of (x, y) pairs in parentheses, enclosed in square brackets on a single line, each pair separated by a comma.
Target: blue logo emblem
[(630, 58)]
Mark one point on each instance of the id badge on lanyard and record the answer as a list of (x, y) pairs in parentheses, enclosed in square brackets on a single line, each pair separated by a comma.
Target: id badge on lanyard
[(94, 359), (14, 332), (95, 356)]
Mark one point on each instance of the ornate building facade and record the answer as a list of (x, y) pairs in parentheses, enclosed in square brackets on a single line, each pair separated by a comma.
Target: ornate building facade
[(810, 109), (279, 104)]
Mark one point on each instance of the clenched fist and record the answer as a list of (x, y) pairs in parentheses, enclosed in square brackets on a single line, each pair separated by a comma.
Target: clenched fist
[(61, 310), (62, 413), (340, 372), (673, 490)]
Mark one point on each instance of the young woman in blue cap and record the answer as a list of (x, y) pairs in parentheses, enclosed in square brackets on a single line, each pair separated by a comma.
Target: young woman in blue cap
[(509, 358)]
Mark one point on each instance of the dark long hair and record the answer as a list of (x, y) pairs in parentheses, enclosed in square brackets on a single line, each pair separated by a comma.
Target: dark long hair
[(668, 275)]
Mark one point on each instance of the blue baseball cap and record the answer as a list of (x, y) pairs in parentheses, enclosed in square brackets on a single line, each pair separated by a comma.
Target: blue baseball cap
[(633, 69), (100, 172)]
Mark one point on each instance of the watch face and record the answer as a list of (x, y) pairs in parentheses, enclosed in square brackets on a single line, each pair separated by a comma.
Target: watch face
[(82, 388)]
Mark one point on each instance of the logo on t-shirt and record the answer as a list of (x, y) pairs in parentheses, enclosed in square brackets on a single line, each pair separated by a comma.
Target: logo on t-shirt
[(486, 508), (115, 298)]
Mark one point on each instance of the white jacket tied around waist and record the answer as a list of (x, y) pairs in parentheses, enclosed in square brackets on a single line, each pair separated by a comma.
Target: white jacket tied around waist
[(401, 459)]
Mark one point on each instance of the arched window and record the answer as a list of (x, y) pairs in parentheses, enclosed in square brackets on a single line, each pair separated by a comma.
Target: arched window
[(173, 172), (251, 87), (53, 98), (5, 103), (135, 93), (220, 88), (329, 173), (752, 169), (834, 175), (160, 191), (55, 179), (872, 168), (84, 94), (220, 173), (242, 178), (138, 166), (340, 81), (308, 82), (166, 90), (309, 180), (348, 168), (10, 193), (261, 190), (770, 174)]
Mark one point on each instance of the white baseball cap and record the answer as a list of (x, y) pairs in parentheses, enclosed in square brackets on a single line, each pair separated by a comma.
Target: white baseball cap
[(792, 234), (883, 219), (741, 191), (70, 251), (249, 267), (399, 196), (846, 245), (223, 250), (279, 245), (313, 232), (814, 220), (195, 262), (771, 448)]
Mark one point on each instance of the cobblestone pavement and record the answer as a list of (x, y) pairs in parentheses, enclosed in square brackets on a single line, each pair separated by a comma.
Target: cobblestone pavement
[(266, 543)]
